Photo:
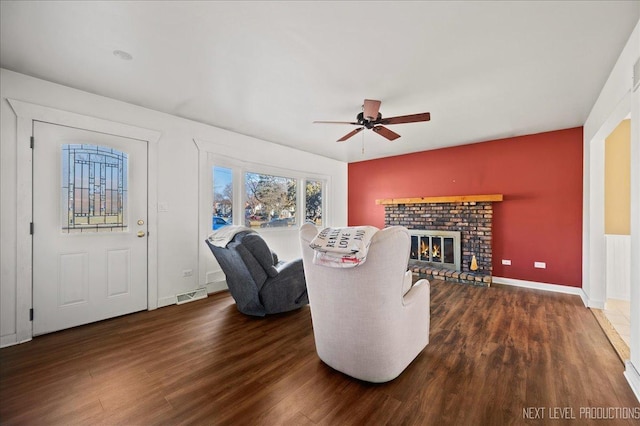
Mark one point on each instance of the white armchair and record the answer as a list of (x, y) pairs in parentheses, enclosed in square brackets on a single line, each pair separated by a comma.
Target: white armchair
[(369, 322)]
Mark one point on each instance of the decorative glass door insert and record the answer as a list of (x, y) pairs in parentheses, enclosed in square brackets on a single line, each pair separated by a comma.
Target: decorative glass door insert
[(94, 189)]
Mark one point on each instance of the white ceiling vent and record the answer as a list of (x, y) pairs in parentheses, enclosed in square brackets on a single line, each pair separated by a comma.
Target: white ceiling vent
[(190, 296), (636, 75)]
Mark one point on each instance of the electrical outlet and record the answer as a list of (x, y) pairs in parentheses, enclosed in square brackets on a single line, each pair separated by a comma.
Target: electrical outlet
[(541, 265), (506, 262), (187, 273)]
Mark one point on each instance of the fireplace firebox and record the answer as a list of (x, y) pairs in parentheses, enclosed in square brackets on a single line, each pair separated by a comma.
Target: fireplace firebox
[(438, 249)]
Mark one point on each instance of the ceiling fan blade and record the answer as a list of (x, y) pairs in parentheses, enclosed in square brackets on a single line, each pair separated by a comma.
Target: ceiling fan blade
[(370, 109), (412, 118), (336, 122), (383, 131), (352, 133)]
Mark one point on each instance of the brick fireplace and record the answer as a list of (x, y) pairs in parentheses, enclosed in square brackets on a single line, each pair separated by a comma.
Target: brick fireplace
[(471, 215)]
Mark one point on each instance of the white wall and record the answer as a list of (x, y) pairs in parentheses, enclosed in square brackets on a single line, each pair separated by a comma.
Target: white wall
[(615, 102), (179, 238)]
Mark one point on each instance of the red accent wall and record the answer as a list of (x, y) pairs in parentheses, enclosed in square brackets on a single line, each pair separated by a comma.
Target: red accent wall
[(540, 176)]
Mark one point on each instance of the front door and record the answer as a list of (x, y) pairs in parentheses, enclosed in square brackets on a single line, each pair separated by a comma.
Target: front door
[(89, 226)]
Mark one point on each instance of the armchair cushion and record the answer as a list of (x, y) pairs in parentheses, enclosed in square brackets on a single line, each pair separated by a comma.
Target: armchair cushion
[(256, 270), (261, 252)]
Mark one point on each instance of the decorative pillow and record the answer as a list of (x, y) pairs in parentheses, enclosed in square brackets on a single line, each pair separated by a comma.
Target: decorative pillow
[(259, 249)]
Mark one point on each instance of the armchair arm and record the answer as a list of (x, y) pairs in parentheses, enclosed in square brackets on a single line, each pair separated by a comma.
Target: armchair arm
[(291, 268), (416, 292), (287, 290), (407, 282)]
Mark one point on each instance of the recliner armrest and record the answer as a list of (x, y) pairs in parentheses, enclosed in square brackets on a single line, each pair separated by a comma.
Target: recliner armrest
[(289, 267)]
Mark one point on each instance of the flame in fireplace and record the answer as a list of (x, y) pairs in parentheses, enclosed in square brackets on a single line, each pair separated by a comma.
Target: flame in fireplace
[(424, 250)]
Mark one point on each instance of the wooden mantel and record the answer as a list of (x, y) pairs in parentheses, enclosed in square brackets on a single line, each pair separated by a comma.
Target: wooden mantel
[(446, 199)]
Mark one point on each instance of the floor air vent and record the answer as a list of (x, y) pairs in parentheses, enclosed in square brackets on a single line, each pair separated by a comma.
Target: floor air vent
[(190, 296)]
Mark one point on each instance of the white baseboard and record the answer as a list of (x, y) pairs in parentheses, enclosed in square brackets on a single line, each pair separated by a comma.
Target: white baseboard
[(166, 301), (557, 288), (633, 378), (217, 286), (10, 340), (211, 288)]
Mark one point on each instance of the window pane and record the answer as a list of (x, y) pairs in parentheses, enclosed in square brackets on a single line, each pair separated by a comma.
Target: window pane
[(222, 212), (270, 201), (313, 202), (94, 188)]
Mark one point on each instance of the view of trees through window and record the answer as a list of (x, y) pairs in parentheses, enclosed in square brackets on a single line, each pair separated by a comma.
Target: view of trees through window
[(270, 201), (313, 201), (222, 197)]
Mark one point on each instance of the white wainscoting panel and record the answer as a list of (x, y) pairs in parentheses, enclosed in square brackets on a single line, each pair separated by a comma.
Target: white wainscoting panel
[(618, 266)]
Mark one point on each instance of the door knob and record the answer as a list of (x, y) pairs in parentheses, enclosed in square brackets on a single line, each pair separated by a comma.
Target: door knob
[(140, 234)]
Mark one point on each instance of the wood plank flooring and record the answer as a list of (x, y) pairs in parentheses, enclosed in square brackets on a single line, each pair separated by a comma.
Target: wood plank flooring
[(494, 353)]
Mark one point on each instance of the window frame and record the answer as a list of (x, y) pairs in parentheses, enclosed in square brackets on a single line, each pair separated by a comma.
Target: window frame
[(233, 190), (322, 197), (239, 170)]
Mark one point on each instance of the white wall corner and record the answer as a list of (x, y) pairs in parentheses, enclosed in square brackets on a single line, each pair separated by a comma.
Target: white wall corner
[(633, 377)]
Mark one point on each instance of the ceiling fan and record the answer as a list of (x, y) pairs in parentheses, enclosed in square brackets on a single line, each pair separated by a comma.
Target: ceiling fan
[(371, 118)]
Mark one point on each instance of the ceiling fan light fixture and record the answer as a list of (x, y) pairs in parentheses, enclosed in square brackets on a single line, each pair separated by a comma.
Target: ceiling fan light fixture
[(370, 109)]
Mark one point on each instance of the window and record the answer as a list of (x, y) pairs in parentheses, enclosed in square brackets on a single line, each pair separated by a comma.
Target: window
[(222, 209), (94, 188), (313, 201), (262, 198), (270, 201)]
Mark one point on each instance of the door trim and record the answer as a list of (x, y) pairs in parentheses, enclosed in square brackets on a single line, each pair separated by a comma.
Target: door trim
[(26, 114)]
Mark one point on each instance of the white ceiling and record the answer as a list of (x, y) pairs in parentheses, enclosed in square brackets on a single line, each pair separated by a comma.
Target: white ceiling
[(485, 70)]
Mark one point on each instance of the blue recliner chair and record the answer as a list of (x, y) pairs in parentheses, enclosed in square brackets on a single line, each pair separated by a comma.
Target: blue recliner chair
[(258, 282)]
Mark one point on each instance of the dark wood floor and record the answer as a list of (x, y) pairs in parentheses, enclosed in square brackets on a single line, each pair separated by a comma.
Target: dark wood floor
[(494, 354)]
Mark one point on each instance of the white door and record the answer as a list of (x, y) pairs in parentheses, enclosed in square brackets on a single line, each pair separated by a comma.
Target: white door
[(89, 226)]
